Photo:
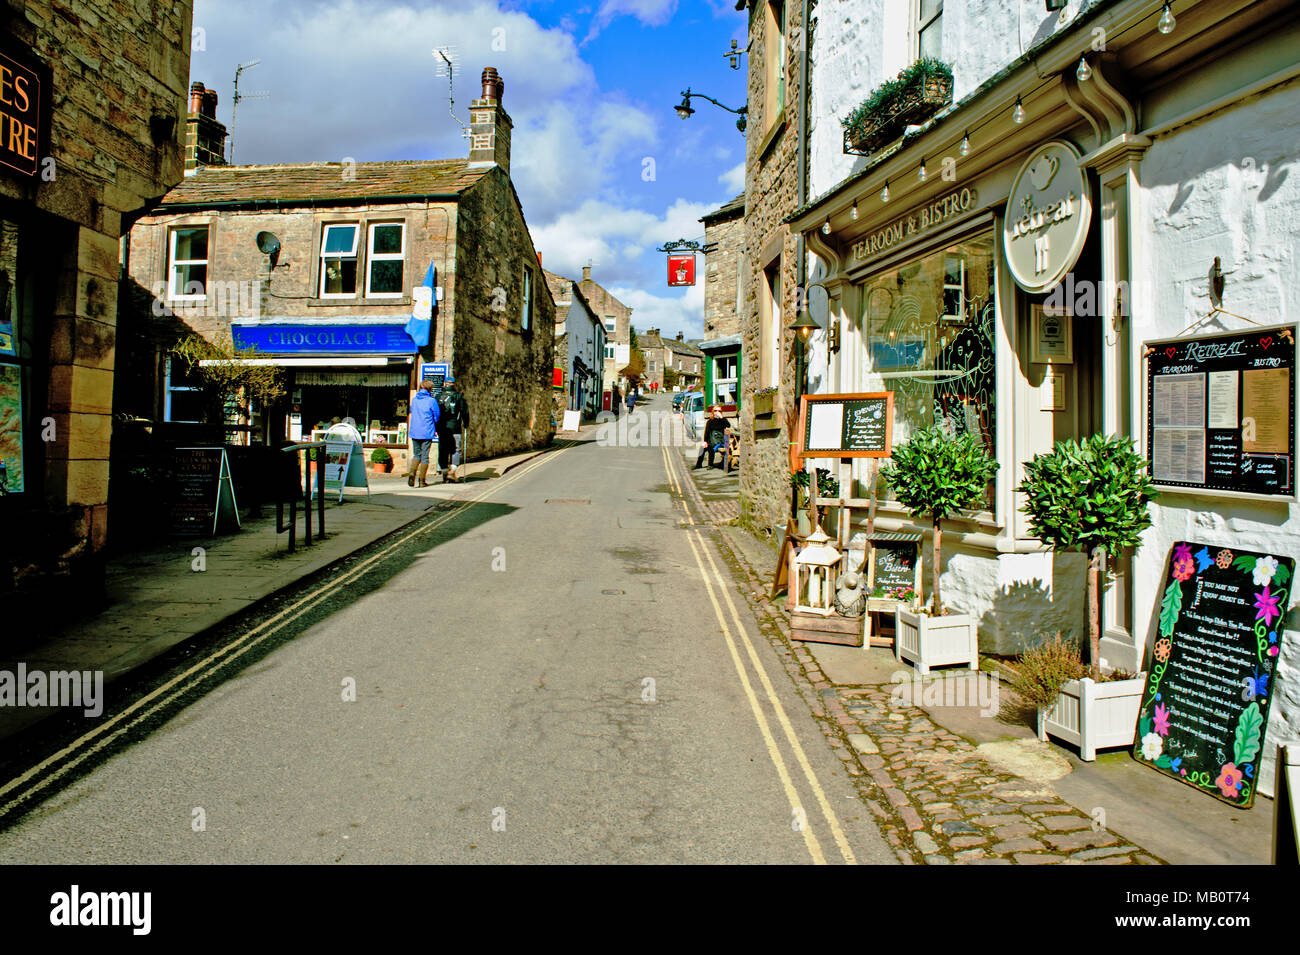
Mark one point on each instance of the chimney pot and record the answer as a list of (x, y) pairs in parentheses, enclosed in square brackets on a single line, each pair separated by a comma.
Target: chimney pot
[(196, 98), (210, 104), (493, 85)]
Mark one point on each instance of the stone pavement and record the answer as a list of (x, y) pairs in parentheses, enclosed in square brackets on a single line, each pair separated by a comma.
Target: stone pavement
[(157, 596), (936, 796)]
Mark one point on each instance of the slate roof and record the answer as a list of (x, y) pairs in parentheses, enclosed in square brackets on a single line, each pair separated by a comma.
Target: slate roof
[(323, 182), (732, 210)]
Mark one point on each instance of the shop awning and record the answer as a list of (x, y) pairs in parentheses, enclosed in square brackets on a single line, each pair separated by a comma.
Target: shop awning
[(339, 361)]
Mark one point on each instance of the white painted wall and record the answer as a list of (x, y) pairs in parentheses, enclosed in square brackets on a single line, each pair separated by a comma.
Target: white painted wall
[(1227, 186), (858, 44)]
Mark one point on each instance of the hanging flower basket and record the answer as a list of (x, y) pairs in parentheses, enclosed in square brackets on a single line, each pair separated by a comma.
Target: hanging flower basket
[(915, 95)]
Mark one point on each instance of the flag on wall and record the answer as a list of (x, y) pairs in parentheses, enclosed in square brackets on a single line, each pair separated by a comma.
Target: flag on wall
[(422, 309)]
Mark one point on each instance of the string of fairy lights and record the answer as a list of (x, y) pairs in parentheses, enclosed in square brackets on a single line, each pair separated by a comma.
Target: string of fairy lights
[(1019, 114)]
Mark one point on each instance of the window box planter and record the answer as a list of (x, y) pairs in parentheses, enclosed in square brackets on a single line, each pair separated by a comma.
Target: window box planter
[(928, 641), (764, 404), (918, 93), (1093, 715)]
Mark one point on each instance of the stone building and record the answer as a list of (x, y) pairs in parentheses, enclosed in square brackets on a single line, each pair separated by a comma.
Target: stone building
[(1168, 134), (579, 348), (617, 319), (724, 247), (774, 262), (93, 102), (317, 265)]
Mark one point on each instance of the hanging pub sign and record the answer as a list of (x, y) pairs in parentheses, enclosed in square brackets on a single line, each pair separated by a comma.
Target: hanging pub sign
[(846, 426), (681, 269), (1048, 212), (1214, 668), (24, 111), (1221, 413)]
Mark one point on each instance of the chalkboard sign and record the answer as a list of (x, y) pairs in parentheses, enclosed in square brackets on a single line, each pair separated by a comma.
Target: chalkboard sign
[(202, 492), (1213, 668), (846, 426), (1221, 412), (895, 565)]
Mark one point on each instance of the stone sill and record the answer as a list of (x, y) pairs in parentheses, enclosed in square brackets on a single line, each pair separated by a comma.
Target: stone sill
[(403, 302), (772, 135)]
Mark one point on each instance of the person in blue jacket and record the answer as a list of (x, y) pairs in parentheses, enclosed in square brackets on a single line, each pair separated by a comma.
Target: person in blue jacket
[(423, 431)]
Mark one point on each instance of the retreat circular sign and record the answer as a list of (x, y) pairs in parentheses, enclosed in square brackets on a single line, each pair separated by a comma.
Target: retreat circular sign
[(1048, 213)]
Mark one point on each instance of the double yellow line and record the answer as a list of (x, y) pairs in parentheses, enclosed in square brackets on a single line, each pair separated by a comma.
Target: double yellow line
[(87, 745), (733, 630)]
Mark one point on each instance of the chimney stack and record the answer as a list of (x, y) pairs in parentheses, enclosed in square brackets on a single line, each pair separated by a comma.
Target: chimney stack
[(205, 138), (586, 273), (681, 337), (490, 125)]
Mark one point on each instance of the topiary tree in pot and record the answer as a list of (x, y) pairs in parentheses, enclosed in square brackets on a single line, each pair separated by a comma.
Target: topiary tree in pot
[(935, 475), (1091, 496)]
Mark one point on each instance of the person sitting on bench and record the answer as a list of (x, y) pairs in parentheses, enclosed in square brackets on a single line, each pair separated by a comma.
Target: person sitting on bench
[(715, 436)]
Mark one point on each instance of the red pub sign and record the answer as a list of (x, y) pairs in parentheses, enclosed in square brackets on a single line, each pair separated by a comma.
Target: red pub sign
[(681, 269), (20, 115)]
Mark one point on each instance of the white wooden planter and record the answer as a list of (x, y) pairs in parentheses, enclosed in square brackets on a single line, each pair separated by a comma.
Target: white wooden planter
[(1093, 715), (936, 641)]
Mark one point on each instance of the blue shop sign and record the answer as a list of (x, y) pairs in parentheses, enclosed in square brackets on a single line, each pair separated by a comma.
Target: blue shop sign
[(309, 339)]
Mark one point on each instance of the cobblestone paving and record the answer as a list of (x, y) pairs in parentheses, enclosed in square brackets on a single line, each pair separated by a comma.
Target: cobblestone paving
[(936, 799)]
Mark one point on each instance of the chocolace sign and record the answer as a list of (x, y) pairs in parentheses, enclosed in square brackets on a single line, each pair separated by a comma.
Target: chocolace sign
[(22, 96)]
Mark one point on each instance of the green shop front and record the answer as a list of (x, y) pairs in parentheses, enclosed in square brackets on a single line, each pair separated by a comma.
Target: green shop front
[(722, 371)]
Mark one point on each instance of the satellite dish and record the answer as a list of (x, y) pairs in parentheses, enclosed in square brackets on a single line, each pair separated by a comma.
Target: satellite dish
[(269, 245)]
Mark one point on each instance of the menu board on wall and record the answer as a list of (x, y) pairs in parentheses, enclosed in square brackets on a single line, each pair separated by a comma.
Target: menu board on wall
[(1213, 668), (1221, 412), (847, 426)]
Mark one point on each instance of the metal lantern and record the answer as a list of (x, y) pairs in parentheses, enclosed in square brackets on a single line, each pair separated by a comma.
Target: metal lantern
[(814, 575)]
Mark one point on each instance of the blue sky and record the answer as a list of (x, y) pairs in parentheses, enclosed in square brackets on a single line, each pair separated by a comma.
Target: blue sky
[(605, 169)]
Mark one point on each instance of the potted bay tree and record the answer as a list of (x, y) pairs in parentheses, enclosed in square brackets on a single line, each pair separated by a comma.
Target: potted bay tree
[(937, 475), (1091, 496)]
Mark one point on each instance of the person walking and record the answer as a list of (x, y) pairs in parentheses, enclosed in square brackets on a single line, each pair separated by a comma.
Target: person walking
[(715, 436), (423, 430), (616, 401), (451, 427), (631, 399)]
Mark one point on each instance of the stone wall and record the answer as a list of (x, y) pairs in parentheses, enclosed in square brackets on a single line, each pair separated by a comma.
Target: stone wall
[(771, 193), (118, 78), (722, 276), (504, 370)]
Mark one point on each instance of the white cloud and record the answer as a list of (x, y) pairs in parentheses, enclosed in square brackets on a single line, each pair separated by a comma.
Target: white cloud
[(734, 179), (670, 314)]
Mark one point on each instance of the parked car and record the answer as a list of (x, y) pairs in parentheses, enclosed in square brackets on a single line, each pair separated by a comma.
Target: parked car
[(678, 398), (693, 414)]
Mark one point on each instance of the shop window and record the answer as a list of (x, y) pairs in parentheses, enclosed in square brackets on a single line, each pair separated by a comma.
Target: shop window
[(385, 259), (182, 396), (725, 379), (929, 28), (928, 328), (338, 261), (187, 264)]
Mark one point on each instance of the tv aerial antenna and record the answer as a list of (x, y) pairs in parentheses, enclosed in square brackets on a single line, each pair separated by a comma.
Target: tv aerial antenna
[(446, 66), (234, 106)]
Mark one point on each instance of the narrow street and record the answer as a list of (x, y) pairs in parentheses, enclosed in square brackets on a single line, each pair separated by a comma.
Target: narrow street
[(603, 695)]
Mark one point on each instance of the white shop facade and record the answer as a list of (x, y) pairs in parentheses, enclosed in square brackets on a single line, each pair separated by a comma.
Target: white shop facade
[(1012, 292)]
